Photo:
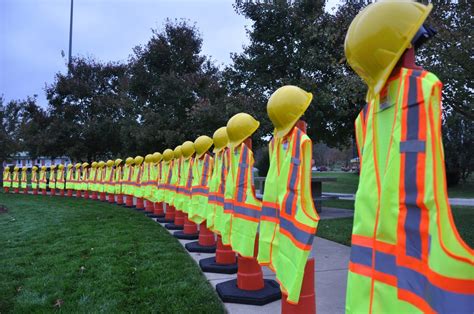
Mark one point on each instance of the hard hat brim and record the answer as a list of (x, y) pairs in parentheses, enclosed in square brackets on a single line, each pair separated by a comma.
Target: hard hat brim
[(233, 144)]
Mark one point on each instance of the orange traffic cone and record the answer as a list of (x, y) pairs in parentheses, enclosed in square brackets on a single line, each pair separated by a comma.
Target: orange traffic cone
[(140, 206), (111, 198), (61, 192), (78, 193), (206, 243), (43, 192), (120, 199), (169, 215), (307, 302), (17, 190), (103, 197), (189, 232), (69, 193), (35, 191), (94, 196), (129, 201), (178, 223), (224, 262), (249, 279)]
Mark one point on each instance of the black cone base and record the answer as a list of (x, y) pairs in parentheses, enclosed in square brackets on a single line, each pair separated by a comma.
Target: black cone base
[(151, 215), (198, 248), (229, 292), (172, 226), (139, 209), (163, 220), (183, 236), (209, 265)]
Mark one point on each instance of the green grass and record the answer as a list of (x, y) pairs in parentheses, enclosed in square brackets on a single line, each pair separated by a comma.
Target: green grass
[(346, 204), (340, 230), (93, 257), (347, 183)]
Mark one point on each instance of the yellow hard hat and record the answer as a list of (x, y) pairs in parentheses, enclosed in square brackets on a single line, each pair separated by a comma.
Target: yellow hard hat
[(24, 168), (7, 168), (52, 167), (177, 152), (16, 168), (34, 168), (379, 35), (240, 127), (61, 166), (44, 167), (118, 161), (101, 164), (129, 160), (85, 164), (69, 166), (188, 149), (94, 164), (157, 157), (78, 165), (148, 158), (168, 154), (202, 145), (285, 106), (110, 163), (138, 160), (220, 139)]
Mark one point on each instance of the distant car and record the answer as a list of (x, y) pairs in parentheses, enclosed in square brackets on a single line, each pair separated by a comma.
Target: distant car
[(322, 168)]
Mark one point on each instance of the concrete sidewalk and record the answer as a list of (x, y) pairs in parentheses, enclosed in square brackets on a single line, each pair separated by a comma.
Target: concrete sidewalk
[(452, 201), (331, 261)]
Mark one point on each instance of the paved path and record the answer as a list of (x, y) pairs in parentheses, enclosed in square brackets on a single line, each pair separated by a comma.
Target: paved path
[(452, 201), (334, 213), (331, 261)]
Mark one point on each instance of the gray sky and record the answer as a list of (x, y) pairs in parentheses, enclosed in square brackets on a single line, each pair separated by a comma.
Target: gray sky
[(33, 33)]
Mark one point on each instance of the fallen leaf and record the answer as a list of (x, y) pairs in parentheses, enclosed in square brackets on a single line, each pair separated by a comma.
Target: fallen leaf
[(58, 303)]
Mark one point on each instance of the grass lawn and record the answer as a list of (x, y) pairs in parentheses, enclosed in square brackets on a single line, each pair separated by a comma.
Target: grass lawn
[(347, 183), (340, 230), (84, 256)]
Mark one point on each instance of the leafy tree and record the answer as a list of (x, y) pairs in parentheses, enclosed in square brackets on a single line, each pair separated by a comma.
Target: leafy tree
[(8, 129)]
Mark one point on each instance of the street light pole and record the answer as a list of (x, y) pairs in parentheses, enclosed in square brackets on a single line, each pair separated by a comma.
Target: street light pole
[(70, 36)]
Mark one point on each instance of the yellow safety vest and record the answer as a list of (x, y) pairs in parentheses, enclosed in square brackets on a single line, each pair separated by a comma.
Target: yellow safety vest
[(146, 181), (156, 190), (34, 179), (84, 181), (136, 181), (183, 199), (241, 203), (69, 179), (174, 180), (163, 183), (7, 179), (289, 219), (43, 180), (118, 180), (92, 180), (23, 180), (406, 253), (60, 180), (127, 179), (109, 180), (202, 169), (16, 180), (215, 200)]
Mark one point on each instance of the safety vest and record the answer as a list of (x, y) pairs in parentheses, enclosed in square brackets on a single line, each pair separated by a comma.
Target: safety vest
[(406, 253), (289, 219), (183, 197), (202, 169), (215, 210), (173, 188), (163, 184), (16, 179), (60, 180), (23, 180), (43, 179), (70, 179), (92, 186), (84, 182), (127, 179), (136, 178), (157, 191), (146, 180), (109, 180), (118, 180), (52, 179), (77, 179), (34, 179), (153, 181), (241, 203), (7, 179), (100, 179)]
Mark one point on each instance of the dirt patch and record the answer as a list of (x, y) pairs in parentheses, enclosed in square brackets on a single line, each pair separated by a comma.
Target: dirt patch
[(3, 209)]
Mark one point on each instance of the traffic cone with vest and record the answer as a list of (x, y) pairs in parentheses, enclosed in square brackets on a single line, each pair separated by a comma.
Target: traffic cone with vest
[(85, 185), (52, 180), (197, 212), (34, 180), (69, 180), (92, 186), (243, 213), (190, 230), (43, 181), (406, 254), (225, 261), (118, 181), (158, 210), (147, 184), (7, 179), (174, 190), (60, 179), (289, 219), (164, 186), (109, 181), (136, 183), (101, 169), (126, 181), (24, 180), (16, 180)]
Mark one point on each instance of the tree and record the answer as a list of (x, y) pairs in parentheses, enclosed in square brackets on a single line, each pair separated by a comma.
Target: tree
[(8, 129)]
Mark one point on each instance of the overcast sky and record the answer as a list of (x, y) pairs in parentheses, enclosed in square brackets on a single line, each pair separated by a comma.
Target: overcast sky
[(34, 32)]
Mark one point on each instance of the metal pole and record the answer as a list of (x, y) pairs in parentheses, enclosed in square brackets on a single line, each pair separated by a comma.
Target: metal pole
[(70, 36)]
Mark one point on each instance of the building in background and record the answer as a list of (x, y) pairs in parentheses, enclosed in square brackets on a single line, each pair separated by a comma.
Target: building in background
[(23, 159)]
